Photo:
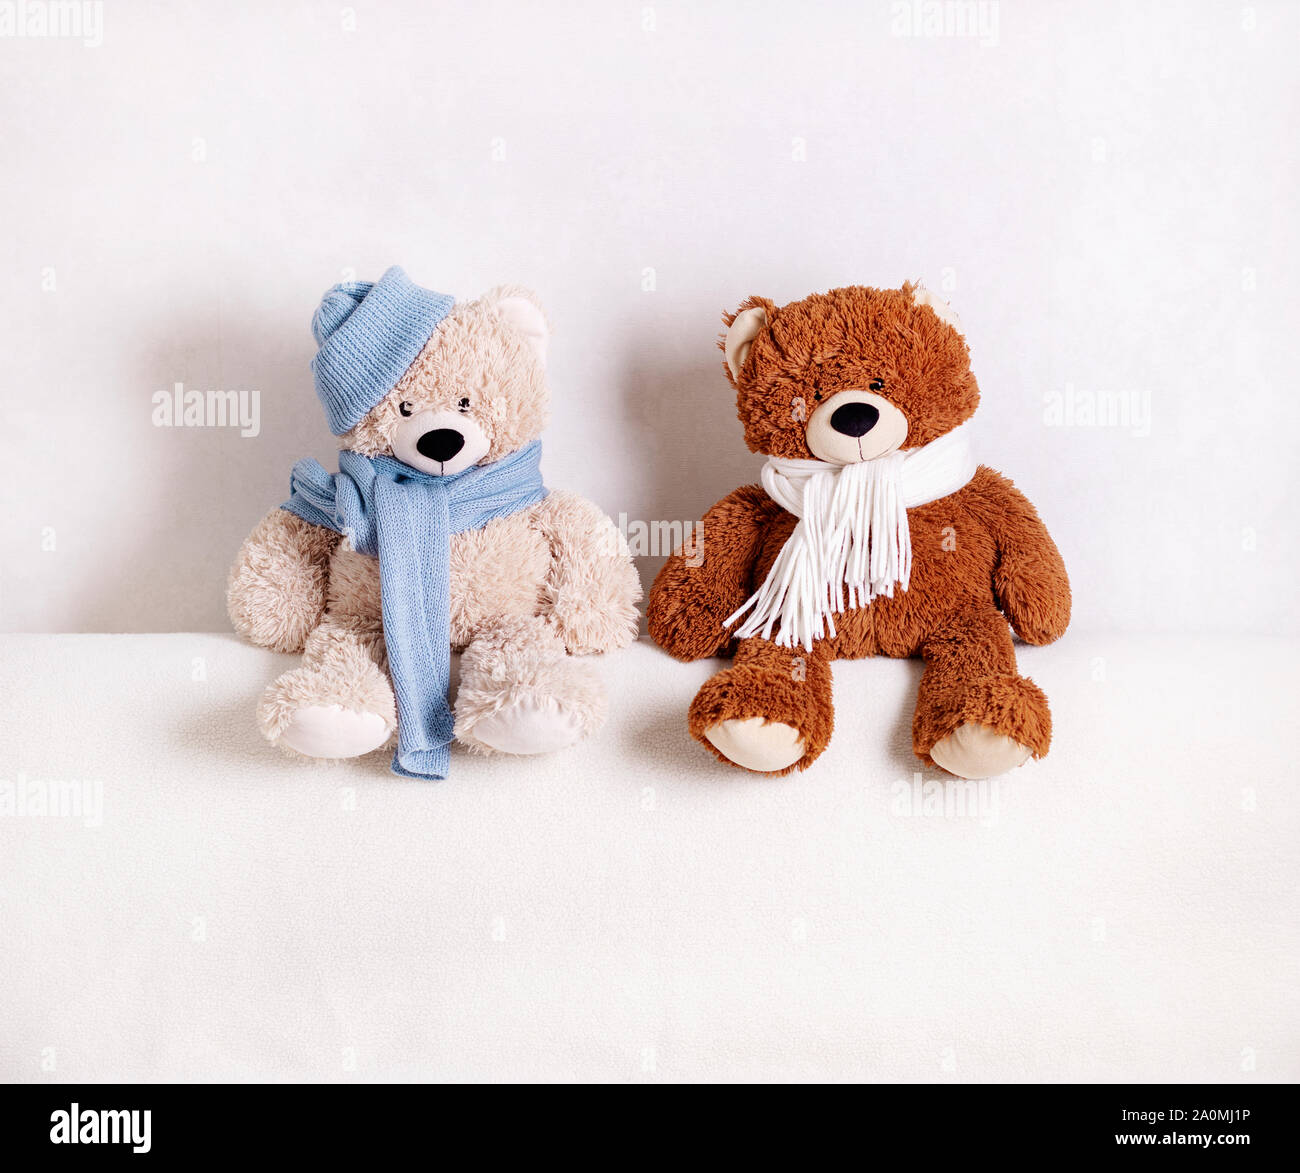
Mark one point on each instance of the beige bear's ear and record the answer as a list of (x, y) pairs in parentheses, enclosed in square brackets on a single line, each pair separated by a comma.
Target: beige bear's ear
[(740, 337), (943, 311), (521, 311)]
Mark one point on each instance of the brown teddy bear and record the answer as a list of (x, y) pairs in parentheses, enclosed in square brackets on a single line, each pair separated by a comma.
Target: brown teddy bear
[(438, 501), (873, 533)]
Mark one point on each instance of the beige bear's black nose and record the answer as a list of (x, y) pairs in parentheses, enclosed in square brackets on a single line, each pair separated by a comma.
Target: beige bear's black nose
[(441, 444), (854, 419)]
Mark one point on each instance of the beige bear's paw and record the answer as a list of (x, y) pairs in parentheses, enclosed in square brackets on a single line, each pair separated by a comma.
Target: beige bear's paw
[(331, 731), (320, 713), (757, 744), (975, 751), (526, 704), (526, 725)]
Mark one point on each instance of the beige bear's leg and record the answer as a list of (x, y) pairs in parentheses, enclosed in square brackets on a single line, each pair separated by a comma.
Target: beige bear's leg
[(339, 703), (521, 693)]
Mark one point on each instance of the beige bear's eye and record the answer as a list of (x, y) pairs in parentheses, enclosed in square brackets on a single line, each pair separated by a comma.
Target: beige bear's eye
[(463, 405), (405, 408)]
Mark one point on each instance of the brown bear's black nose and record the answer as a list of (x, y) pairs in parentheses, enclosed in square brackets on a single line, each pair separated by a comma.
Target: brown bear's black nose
[(854, 419), (441, 444)]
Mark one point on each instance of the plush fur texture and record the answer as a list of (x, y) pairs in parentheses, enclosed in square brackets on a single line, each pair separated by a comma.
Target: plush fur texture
[(522, 664), (978, 552), (473, 355), (848, 339), (277, 586), (529, 592)]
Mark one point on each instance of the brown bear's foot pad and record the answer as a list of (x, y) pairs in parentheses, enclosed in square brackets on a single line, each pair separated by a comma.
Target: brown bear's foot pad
[(757, 744), (770, 717), (975, 751), (331, 731), (980, 728)]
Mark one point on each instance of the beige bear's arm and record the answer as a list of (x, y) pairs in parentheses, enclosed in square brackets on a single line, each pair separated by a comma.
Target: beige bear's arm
[(593, 587), (277, 586)]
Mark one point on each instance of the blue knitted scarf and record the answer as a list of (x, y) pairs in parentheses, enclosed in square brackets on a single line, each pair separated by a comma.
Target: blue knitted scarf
[(405, 518)]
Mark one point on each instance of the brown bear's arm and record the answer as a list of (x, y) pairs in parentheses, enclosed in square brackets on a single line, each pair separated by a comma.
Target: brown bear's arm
[(277, 587), (1029, 580), (688, 603)]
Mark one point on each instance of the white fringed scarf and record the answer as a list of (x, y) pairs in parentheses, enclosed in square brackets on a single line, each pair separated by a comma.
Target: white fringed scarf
[(852, 533)]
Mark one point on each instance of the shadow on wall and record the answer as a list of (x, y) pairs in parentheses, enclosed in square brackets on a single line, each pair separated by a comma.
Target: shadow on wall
[(210, 482), (693, 452)]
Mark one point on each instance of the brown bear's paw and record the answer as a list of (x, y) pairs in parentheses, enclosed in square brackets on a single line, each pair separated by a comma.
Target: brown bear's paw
[(686, 628), (975, 751), (766, 747), (760, 720), (317, 714), (984, 728)]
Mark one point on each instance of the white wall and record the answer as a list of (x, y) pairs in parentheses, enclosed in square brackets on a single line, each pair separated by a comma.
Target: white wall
[(1107, 193)]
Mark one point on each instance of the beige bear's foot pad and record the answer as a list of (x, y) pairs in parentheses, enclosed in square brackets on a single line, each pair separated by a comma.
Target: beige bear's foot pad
[(757, 744), (528, 726), (331, 731), (975, 751)]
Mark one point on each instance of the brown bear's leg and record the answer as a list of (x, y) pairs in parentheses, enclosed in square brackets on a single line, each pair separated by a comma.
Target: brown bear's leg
[(975, 715), (771, 711)]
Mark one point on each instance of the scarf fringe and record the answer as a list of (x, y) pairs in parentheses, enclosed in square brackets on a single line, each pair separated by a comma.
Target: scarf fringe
[(853, 543)]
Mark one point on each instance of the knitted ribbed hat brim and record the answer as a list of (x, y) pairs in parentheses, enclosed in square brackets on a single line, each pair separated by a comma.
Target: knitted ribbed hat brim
[(366, 350)]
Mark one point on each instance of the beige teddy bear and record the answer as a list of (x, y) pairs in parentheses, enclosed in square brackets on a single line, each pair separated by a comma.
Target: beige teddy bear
[(436, 534)]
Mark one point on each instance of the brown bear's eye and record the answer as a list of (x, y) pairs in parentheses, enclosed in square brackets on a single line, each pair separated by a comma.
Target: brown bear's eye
[(817, 395), (405, 408), (463, 405), (876, 385)]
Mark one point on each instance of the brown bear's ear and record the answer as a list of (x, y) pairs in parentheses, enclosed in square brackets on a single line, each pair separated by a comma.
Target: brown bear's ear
[(522, 312), (943, 311), (744, 328)]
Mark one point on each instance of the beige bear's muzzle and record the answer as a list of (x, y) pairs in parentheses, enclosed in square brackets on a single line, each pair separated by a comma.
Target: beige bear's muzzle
[(440, 442)]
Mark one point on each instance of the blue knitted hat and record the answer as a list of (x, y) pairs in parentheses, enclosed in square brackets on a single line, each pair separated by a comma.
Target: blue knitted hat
[(368, 334)]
